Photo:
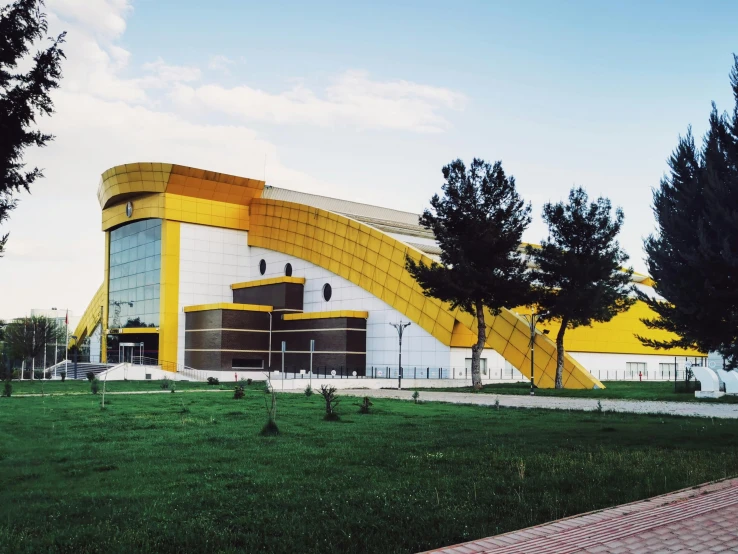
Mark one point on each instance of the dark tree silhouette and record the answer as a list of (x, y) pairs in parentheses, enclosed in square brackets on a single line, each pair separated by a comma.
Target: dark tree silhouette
[(23, 96), (478, 224), (577, 272), (693, 256)]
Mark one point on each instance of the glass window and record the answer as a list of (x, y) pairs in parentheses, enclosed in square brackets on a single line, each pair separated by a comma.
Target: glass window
[(134, 273)]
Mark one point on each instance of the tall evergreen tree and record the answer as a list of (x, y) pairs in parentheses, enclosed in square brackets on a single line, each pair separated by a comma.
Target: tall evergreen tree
[(577, 274), (693, 257), (23, 96), (478, 224)]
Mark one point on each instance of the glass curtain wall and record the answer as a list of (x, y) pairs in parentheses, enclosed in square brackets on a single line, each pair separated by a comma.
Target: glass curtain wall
[(134, 273)]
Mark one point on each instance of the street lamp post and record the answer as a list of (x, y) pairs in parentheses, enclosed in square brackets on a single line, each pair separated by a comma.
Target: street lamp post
[(400, 328), (74, 337)]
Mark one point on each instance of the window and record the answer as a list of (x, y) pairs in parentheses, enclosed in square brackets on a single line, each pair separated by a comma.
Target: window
[(288, 270), (635, 367), (248, 363), (134, 274), (327, 292), (482, 365), (667, 368), (262, 267)]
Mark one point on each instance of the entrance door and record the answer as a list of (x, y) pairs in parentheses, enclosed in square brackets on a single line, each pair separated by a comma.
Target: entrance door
[(125, 352)]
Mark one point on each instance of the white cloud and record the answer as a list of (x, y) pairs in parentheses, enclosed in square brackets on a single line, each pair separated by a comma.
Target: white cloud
[(221, 63), (352, 99), (165, 74)]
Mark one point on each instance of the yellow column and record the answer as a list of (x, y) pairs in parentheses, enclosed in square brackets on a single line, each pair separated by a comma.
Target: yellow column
[(169, 295), (105, 302)]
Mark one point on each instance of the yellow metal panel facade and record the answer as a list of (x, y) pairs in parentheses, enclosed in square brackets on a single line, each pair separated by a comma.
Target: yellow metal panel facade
[(228, 306), (272, 281), (169, 295), (326, 315)]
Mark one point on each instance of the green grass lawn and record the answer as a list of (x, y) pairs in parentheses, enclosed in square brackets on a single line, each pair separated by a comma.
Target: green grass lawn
[(190, 473), (622, 390)]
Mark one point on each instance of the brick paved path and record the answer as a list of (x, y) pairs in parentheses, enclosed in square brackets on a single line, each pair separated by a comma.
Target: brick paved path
[(701, 519), (700, 409)]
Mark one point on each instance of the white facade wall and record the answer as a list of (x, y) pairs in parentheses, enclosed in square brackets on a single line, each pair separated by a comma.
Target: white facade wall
[(210, 260), (615, 366)]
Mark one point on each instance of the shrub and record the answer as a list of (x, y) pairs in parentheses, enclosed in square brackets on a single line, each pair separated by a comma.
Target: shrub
[(63, 375), (213, 381), (249, 381), (365, 405), (270, 428), (165, 383), (90, 376), (497, 403), (331, 401), (15, 374), (38, 374), (308, 391), (238, 393), (94, 385), (7, 388), (47, 374), (416, 396)]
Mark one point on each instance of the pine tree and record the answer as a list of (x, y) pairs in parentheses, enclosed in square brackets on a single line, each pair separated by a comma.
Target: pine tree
[(693, 258), (23, 96), (478, 224), (578, 275)]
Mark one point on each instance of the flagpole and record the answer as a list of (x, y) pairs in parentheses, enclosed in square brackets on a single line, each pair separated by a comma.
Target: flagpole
[(66, 344)]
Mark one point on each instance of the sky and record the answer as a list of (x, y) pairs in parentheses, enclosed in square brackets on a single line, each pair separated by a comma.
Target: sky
[(362, 101)]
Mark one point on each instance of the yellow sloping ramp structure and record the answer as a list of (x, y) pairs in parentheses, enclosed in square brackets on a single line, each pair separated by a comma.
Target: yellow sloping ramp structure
[(375, 261)]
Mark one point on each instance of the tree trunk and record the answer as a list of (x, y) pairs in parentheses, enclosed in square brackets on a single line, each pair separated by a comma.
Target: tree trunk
[(478, 347), (560, 354)]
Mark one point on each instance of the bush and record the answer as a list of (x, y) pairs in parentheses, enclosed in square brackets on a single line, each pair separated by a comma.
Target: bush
[(15, 374), (7, 388), (213, 381), (270, 429), (238, 393), (94, 385), (308, 391), (331, 401), (165, 383), (38, 374), (416, 396), (365, 405), (63, 375), (47, 374), (249, 381), (90, 376)]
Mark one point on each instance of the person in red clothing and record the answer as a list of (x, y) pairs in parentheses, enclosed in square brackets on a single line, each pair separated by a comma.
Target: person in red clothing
[(640, 376)]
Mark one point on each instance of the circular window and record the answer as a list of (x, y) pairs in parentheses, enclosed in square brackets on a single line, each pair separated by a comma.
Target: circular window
[(262, 267), (327, 292), (288, 270)]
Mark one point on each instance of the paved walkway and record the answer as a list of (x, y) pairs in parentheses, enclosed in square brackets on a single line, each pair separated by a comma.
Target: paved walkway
[(701, 519), (726, 411)]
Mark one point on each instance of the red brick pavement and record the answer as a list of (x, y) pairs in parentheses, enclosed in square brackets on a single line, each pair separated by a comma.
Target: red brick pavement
[(700, 519)]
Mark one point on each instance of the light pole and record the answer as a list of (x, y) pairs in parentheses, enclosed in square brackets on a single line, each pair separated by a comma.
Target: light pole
[(74, 337), (532, 319), (56, 337), (400, 328)]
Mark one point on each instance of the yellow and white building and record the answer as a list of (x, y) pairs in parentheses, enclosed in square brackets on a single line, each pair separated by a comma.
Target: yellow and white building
[(181, 242)]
